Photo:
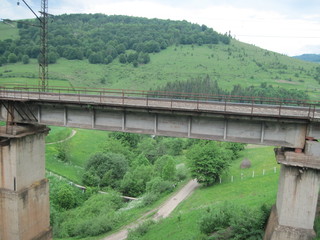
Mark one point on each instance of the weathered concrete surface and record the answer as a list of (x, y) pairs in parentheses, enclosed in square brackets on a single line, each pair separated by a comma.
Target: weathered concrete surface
[(176, 123), (274, 231), (293, 216), (297, 197), (24, 191)]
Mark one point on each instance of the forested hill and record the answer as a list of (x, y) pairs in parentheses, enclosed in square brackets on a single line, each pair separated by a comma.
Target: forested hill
[(309, 57), (101, 38)]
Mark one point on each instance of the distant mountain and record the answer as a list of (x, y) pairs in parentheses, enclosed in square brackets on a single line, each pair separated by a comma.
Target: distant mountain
[(309, 57)]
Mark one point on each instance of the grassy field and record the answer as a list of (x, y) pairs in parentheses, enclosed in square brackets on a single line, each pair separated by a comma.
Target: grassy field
[(8, 31), (251, 192), (81, 147), (237, 63)]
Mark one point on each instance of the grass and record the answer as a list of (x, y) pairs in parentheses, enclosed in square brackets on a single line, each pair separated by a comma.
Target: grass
[(252, 192), (81, 147), (57, 134), (8, 31), (237, 63)]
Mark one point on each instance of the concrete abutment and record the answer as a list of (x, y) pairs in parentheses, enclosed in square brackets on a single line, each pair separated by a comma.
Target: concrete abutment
[(292, 218), (24, 190)]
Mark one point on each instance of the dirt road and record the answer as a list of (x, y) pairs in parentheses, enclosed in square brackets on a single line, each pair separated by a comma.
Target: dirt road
[(162, 212)]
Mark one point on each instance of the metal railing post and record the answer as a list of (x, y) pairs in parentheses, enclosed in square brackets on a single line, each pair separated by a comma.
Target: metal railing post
[(147, 100), (280, 109)]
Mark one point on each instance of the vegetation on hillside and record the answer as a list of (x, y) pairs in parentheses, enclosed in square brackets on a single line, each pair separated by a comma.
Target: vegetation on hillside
[(101, 38), (309, 57), (207, 86), (124, 164)]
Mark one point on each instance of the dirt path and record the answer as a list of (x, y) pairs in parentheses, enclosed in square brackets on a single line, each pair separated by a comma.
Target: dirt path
[(162, 212), (66, 139)]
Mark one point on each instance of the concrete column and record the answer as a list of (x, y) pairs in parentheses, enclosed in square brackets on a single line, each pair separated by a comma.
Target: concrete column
[(24, 190), (293, 215)]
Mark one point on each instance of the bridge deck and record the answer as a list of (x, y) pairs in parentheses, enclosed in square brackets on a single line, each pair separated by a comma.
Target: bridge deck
[(280, 110), (129, 111)]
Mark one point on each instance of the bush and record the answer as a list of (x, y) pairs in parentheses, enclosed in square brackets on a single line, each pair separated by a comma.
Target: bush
[(158, 185), (216, 220), (236, 224), (181, 173), (25, 59), (140, 231), (96, 216), (149, 198)]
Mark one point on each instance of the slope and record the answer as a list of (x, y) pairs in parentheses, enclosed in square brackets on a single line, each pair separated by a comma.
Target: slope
[(237, 63), (172, 58)]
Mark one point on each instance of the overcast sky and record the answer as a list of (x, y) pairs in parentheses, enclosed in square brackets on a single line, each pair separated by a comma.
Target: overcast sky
[(290, 27)]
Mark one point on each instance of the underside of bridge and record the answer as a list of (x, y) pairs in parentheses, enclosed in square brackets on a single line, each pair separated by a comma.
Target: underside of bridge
[(24, 196)]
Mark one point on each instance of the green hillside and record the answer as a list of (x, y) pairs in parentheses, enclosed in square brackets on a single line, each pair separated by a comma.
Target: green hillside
[(228, 64), (120, 52), (8, 31)]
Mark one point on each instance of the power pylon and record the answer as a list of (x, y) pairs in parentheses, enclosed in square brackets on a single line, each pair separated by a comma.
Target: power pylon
[(43, 64), (43, 60)]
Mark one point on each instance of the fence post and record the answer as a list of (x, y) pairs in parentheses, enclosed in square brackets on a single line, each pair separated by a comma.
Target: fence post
[(231, 178), (275, 169), (253, 174), (220, 180)]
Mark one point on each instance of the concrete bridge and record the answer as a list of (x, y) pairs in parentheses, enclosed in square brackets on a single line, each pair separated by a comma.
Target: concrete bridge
[(292, 126)]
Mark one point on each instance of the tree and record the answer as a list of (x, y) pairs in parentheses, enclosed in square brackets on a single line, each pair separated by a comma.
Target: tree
[(134, 182), (122, 58), (132, 57), (108, 59), (169, 170), (143, 58), (128, 139), (208, 161), (3, 60), (52, 57), (65, 197), (25, 59), (149, 148), (96, 58), (107, 168), (165, 168), (12, 58), (63, 150)]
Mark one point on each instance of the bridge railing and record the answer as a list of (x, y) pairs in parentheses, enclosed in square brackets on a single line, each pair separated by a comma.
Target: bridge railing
[(81, 94)]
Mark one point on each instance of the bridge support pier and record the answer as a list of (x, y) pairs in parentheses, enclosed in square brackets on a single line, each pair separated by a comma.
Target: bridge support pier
[(24, 191), (292, 218)]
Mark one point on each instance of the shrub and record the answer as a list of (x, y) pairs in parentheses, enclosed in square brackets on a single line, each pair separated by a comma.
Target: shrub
[(158, 185), (149, 198), (140, 230), (229, 222), (216, 220)]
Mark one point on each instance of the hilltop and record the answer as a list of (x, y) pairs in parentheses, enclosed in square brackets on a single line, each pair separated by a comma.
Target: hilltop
[(225, 60)]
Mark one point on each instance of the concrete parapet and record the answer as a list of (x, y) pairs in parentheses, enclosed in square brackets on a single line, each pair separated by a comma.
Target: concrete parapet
[(24, 191)]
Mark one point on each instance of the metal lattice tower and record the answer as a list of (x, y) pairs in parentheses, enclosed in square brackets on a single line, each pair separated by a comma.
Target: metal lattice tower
[(43, 63)]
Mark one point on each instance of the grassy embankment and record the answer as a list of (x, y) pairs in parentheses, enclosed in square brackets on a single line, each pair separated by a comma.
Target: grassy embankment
[(251, 192), (182, 224)]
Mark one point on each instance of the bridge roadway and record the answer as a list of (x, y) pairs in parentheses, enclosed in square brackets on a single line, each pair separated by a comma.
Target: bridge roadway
[(138, 112)]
